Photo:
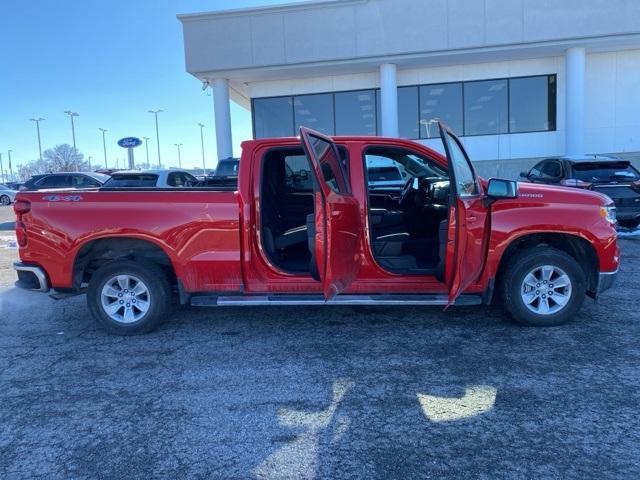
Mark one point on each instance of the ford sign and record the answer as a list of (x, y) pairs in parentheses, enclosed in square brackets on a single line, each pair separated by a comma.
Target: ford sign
[(129, 142)]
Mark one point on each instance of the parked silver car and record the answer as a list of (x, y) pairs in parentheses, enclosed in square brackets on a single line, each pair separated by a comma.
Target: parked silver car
[(7, 196)]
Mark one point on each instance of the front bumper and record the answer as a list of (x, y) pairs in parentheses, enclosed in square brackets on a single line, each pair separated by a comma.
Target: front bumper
[(31, 277), (605, 281)]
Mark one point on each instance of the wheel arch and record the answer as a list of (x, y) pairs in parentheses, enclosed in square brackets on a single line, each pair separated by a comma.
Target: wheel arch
[(92, 254), (577, 247)]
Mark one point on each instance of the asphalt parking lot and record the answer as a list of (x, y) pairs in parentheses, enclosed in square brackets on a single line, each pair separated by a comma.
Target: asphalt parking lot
[(336, 392)]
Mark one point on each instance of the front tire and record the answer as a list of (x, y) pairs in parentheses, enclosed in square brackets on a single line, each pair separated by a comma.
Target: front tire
[(543, 287), (5, 200), (129, 298)]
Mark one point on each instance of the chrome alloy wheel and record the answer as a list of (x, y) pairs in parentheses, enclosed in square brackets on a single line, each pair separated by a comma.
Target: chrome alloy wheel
[(125, 298), (546, 290), (5, 200)]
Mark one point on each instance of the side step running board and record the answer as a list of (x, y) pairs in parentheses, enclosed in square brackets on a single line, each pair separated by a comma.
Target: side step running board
[(260, 300)]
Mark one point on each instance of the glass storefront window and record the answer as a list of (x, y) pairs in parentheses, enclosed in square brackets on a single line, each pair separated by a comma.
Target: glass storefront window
[(314, 111), (273, 117), (486, 107), (529, 104), (440, 102), (355, 112)]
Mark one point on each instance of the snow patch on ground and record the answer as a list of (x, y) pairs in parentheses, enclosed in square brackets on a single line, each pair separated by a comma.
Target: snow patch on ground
[(626, 233), (8, 241)]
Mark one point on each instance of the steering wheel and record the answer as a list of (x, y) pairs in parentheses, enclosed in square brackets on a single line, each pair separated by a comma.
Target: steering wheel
[(405, 191)]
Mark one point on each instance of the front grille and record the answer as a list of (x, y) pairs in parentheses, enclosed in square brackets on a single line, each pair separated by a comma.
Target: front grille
[(622, 196)]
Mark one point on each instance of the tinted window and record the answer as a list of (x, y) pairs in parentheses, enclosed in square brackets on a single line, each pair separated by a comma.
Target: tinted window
[(485, 107), (330, 165), (180, 179), (605, 172), (132, 180), (55, 181), (529, 104), (81, 181), (551, 169), (440, 102), (273, 117), (408, 125), (227, 168), (314, 111), (466, 184), (355, 113)]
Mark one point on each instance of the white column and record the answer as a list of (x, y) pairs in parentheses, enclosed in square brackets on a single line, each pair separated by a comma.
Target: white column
[(575, 68), (389, 100), (223, 117)]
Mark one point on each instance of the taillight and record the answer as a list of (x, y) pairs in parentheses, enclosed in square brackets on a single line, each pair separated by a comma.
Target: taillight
[(21, 206), (21, 234), (574, 182)]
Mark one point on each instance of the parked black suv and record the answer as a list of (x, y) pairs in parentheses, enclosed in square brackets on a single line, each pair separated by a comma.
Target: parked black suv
[(65, 180), (616, 178)]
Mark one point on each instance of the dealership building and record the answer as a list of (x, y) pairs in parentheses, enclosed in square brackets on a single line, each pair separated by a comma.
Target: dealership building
[(514, 78)]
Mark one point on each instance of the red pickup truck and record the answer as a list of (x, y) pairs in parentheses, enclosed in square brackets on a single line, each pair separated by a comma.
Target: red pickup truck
[(302, 227)]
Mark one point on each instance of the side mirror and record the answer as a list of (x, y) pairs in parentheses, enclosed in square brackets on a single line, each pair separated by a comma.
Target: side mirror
[(499, 189), (524, 174)]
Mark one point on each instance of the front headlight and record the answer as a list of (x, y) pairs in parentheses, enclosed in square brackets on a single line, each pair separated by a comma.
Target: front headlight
[(608, 213)]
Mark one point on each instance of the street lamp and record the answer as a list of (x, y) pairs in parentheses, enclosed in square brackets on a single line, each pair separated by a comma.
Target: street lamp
[(179, 159), (204, 169), (38, 120), (73, 134), (146, 146), (10, 167), (104, 146), (155, 113)]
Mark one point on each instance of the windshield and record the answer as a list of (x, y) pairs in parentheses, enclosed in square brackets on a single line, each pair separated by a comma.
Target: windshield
[(132, 180), (605, 172)]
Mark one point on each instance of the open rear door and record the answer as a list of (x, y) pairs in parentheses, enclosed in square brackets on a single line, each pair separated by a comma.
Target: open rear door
[(337, 217), (466, 249)]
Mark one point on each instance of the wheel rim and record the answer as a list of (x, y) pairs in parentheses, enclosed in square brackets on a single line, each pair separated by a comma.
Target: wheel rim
[(125, 298), (546, 290), (5, 200)]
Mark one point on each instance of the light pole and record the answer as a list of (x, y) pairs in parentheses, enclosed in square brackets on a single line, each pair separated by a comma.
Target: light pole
[(38, 120), (155, 113), (179, 159), (89, 159), (73, 135), (104, 145), (146, 146), (204, 169), (10, 167)]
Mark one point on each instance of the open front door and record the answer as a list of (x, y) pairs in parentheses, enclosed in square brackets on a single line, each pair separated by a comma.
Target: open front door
[(466, 249), (337, 218)]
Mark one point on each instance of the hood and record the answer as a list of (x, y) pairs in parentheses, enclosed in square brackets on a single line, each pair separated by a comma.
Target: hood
[(555, 194)]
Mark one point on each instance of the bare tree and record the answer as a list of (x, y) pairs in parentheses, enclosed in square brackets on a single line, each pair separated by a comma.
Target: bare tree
[(61, 158)]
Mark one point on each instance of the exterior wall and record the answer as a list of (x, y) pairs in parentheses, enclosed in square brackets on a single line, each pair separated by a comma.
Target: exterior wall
[(354, 30), (612, 101)]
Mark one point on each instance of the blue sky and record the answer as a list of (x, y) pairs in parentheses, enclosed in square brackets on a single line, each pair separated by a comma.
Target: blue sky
[(110, 61)]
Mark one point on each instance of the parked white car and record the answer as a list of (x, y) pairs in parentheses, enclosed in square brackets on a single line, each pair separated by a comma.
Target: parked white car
[(7, 196), (159, 178)]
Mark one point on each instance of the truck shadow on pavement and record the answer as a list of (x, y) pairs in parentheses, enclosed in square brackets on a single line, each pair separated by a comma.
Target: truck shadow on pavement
[(336, 392)]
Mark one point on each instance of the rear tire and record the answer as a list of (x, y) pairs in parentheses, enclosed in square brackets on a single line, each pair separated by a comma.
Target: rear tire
[(5, 200), (129, 297), (542, 287)]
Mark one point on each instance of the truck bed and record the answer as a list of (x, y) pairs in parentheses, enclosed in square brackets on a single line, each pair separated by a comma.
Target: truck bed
[(197, 228)]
